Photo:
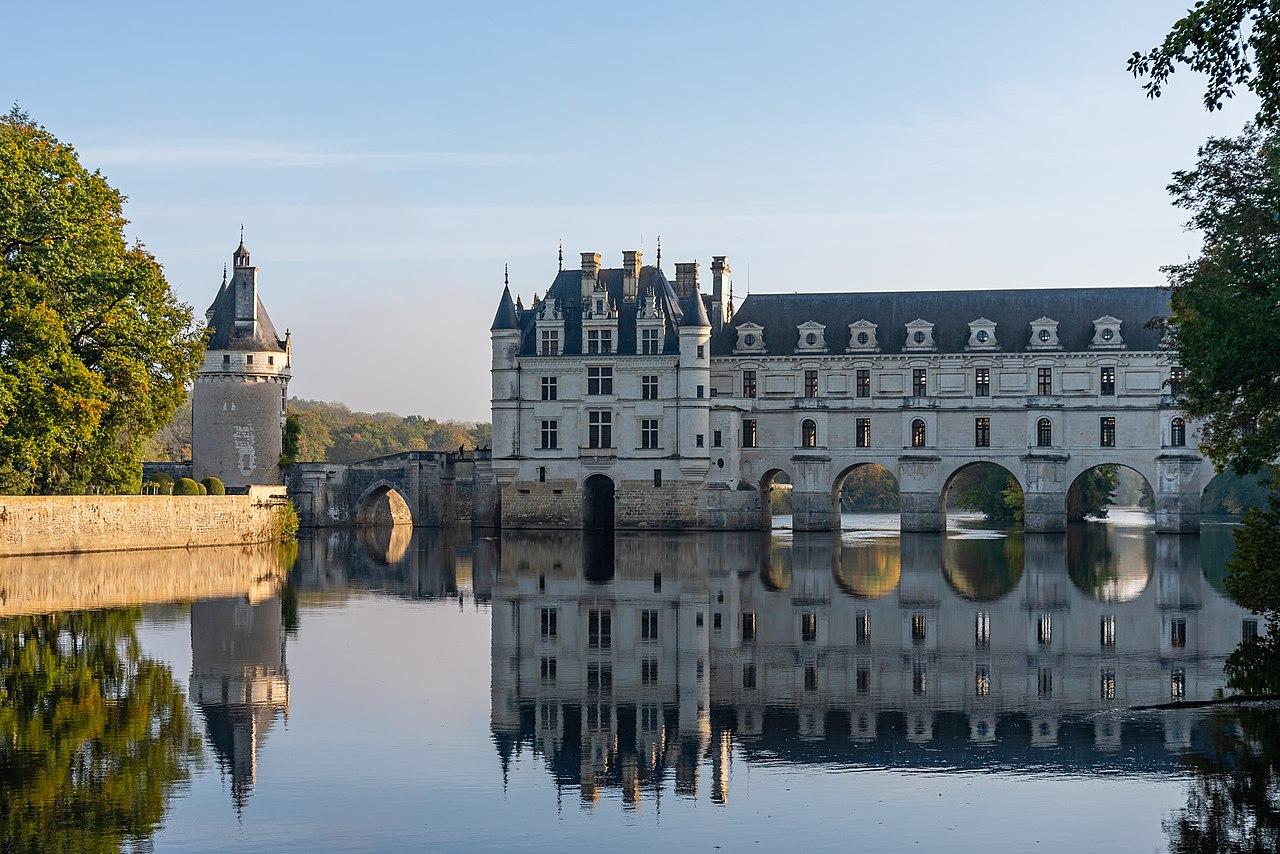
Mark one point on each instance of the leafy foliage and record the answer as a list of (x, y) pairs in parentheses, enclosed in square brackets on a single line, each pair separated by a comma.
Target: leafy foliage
[(213, 486), (1234, 42), (330, 432), (1092, 493), (1252, 578), (94, 738), (95, 351), (185, 486), (989, 489), (869, 489)]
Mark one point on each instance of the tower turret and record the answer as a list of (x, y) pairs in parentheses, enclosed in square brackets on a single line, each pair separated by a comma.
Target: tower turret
[(695, 381), (504, 337)]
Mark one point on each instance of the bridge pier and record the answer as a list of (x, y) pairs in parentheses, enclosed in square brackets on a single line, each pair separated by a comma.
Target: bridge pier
[(1045, 492), (921, 511), (1177, 488), (814, 511)]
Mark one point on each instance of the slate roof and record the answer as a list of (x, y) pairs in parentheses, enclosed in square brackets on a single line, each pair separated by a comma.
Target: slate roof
[(223, 324), (506, 316), (1012, 311)]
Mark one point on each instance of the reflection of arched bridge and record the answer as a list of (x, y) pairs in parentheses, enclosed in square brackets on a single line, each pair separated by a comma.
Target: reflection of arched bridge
[(431, 488)]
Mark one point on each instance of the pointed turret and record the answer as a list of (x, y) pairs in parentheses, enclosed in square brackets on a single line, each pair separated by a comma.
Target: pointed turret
[(506, 317), (695, 313)]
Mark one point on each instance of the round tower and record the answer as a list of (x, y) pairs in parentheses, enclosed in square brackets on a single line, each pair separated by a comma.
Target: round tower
[(238, 405)]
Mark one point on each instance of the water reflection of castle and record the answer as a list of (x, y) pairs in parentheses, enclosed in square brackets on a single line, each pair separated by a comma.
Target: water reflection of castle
[(239, 681), (925, 651)]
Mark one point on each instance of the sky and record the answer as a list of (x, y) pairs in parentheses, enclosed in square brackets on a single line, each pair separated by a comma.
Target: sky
[(388, 158)]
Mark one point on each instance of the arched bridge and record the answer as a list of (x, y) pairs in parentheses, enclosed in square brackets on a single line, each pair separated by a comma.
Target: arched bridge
[(424, 488)]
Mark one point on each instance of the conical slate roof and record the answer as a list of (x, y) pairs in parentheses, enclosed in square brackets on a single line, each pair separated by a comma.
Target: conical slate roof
[(696, 312), (223, 324), (506, 317)]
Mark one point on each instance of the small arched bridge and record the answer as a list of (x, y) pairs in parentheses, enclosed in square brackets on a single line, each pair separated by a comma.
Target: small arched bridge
[(424, 488)]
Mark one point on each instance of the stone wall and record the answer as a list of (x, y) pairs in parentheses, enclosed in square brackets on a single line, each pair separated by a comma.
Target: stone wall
[(50, 524)]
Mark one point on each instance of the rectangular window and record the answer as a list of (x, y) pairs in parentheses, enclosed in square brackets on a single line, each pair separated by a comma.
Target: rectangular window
[(862, 633), (1178, 683), (600, 628), (864, 382), (1178, 633), (248, 359), (547, 669), (862, 432), (919, 382), (811, 678), (1045, 683), (748, 432), (1108, 687), (599, 428), (918, 628), (550, 435), (864, 680), (1176, 376), (748, 383), (701, 391), (982, 629), (550, 342), (226, 358), (657, 477), (1108, 381), (717, 622), (649, 342), (599, 341), (1044, 629), (749, 677), (600, 379), (919, 677), (649, 387), (982, 382), (749, 626), (649, 626), (702, 351), (542, 474), (810, 383), (548, 622), (1107, 632), (649, 671), (600, 677), (648, 433), (271, 360), (698, 440), (1107, 425), (808, 628), (1249, 630), (700, 670), (657, 582), (699, 619), (717, 439), (982, 432), (982, 680), (1044, 381), (550, 388)]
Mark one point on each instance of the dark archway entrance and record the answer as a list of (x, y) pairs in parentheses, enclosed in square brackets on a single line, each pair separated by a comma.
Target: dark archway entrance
[(775, 496), (383, 505), (597, 503)]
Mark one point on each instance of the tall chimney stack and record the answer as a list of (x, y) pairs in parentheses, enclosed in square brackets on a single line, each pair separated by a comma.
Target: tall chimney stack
[(721, 310), (590, 269), (686, 278), (631, 263)]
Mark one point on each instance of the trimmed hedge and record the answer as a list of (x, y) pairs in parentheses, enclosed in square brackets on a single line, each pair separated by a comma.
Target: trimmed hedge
[(213, 486), (185, 486)]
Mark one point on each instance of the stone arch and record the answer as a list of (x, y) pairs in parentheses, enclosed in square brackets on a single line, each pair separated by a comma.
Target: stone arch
[(1078, 498), (773, 476), (598, 503), (967, 465), (383, 503), (862, 466)]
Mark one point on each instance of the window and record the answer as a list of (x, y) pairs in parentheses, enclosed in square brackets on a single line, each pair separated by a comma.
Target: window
[(982, 629), (811, 678), (648, 433), (917, 434), (542, 474), (1044, 380), (1107, 439), (809, 433), (599, 677), (1178, 683), (550, 389), (226, 358), (701, 669), (1177, 433), (981, 680), (717, 439), (982, 432), (1044, 685), (864, 680), (600, 379), (1178, 633), (749, 677), (1107, 632), (248, 360), (599, 341), (862, 433), (810, 383), (749, 626), (649, 387), (919, 677), (649, 671), (864, 382), (808, 627), (649, 718), (699, 619), (1044, 433), (748, 383), (550, 342), (600, 428), (1108, 687), (701, 391), (918, 627), (982, 382), (702, 350), (600, 628), (550, 435), (547, 669), (919, 382), (649, 342), (657, 582), (1044, 629), (1108, 381), (548, 622), (717, 622), (748, 432), (1176, 377), (649, 626), (698, 440), (862, 629), (1249, 630), (657, 478)]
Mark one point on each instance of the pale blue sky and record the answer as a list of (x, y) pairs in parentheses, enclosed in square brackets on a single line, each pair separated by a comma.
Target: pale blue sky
[(388, 158)]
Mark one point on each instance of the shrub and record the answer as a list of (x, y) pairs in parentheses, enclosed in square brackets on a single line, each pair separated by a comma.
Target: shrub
[(185, 486), (214, 486), (204, 490)]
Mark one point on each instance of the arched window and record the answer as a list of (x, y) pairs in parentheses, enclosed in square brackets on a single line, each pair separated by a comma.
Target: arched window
[(809, 433), (1044, 433), (1177, 433), (917, 434)]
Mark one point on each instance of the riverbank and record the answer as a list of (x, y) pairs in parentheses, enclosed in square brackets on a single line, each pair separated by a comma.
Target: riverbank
[(57, 524)]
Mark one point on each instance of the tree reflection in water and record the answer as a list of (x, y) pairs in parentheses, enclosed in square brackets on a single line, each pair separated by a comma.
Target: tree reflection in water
[(94, 737)]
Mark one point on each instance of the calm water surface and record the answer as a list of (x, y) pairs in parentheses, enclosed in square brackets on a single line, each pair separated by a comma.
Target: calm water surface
[(406, 690)]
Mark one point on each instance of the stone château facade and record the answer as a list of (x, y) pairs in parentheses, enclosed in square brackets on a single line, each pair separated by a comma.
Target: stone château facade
[(623, 399), (238, 405)]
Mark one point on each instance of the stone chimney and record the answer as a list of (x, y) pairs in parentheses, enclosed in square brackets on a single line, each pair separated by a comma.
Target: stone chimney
[(686, 278), (721, 309), (631, 263), (245, 284), (590, 270)]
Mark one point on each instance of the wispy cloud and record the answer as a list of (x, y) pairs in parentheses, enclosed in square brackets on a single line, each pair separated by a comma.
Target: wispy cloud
[(266, 154)]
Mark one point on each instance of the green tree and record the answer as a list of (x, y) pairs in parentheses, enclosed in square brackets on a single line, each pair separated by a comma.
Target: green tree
[(1252, 579), (869, 489), (1233, 42), (988, 489), (1092, 493), (94, 737), (95, 350), (185, 486)]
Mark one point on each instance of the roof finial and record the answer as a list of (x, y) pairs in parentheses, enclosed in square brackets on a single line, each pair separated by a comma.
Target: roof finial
[(560, 254), (224, 274), (506, 276), (659, 251), (242, 234)]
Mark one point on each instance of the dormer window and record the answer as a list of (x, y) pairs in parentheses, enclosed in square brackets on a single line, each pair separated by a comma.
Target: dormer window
[(1106, 334), (750, 338), (862, 337), (812, 338), (982, 335), (1044, 335), (599, 306), (919, 336)]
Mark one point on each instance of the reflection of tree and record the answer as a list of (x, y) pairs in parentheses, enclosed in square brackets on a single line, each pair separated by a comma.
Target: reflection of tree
[(94, 738), (983, 570)]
